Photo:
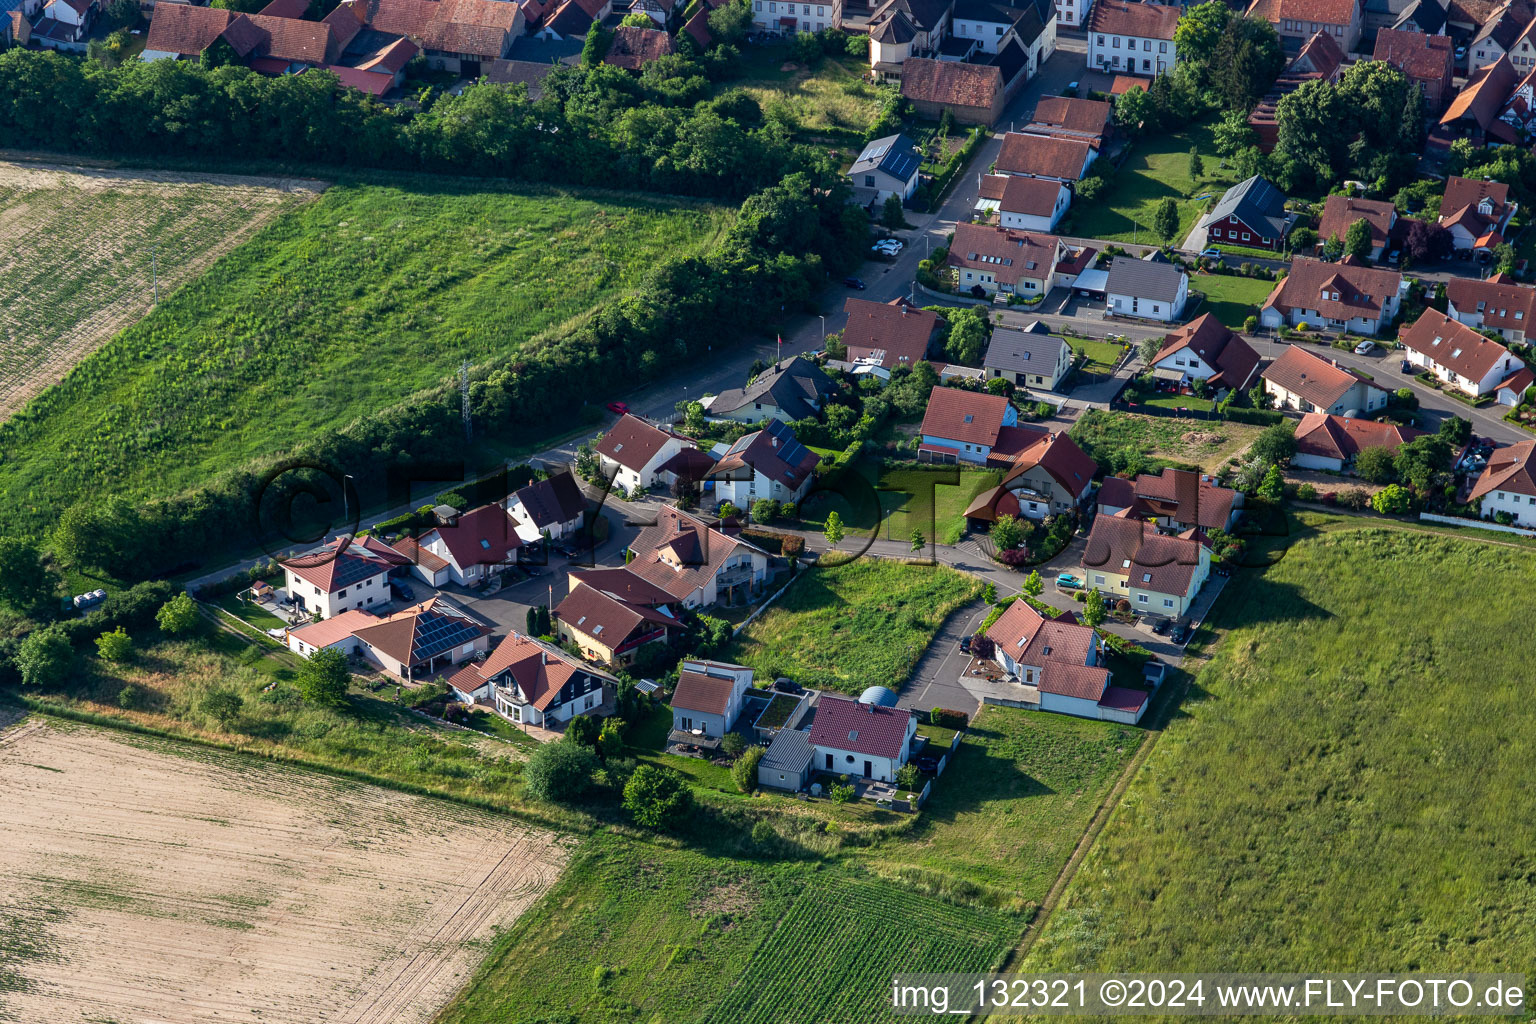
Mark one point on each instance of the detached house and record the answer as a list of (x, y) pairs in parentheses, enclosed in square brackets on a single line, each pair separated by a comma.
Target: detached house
[(768, 463), (529, 681), (1347, 295), (1206, 349), (887, 335), (633, 451), (965, 426), (1065, 660), (867, 740), (1028, 204), (886, 167), (421, 642), (342, 575), (1500, 32), (989, 260), (899, 29), (708, 699), (695, 561), (1176, 499), (1071, 118), (1250, 214), (65, 25), (1426, 61), (1049, 476), (1133, 38), (1026, 359), (1457, 355), (1496, 304), (1159, 574), (1332, 442), (1339, 212), (471, 546), (1477, 213), (1297, 20), (553, 507), (1474, 112), (611, 614), (1148, 289), (1304, 382), (1508, 484), (1045, 156), (791, 389)]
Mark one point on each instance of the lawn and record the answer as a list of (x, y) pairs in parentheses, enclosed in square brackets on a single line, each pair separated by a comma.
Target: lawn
[(85, 250), (251, 612), (1157, 168), (1348, 786), (830, 103), (1204, 443), (1013, 803), (899, 499), (1232, 298), (1163, 400), (334, 311), (859, 624), (1103, 356)]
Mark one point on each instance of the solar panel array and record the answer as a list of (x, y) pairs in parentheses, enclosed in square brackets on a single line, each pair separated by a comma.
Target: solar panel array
[(436, 633)]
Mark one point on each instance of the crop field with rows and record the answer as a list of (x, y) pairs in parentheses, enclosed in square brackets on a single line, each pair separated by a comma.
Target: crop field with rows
[(79, 248)]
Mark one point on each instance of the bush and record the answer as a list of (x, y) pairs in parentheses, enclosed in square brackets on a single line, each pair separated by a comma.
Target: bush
[(44, 656), (1394, 499), (841, 794), (657, 798), (733, 744), (1357, 498), (744, 771), (177, 616), (908, 777), (1306, 492), (322, 679), (947, 718), (1013, 558), (116, 646), (559, 773)]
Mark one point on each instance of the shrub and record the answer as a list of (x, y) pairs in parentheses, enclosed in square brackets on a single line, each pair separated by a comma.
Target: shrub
[(989, 593), (657, 798), (43, 657), (132, 697), (841, 794), (908, 776), (177, 616), (744, 771), (1357, 498), (1014, 558), (559, 773), (115, 646), (1394, 499), (947, 718), (322, 679), (1306, 492), (733, 744), (222, 704)]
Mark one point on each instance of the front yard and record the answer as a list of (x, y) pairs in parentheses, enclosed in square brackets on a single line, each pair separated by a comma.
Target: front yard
[(1102, 356)]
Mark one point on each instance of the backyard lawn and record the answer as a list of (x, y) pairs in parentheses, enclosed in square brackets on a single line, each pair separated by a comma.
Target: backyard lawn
[(1157, 168), (1346, 788), (1233, 299), (1203, 443), (1102, 356), (898, 500), (862, 623)]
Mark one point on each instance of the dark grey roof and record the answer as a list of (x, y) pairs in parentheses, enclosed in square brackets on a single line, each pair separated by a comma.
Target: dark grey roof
[(895, 155), (1143, 279), (958, 47), (894, 30), (790, 384), (555, 500), (1022, 351), (1011, 60), (790, 751), (1254, 202), (1427, 15), (924, 14)]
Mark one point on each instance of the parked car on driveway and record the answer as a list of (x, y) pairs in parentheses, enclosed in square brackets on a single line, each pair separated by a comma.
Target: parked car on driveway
[(400, 589), (1066, 579), (1365, 348), (1181, 633), (1163, 627), (965, 644), (853, 282), (1405, 366)]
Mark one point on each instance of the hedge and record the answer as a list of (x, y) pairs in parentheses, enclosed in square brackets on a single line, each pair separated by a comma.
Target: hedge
[(1258, 417)]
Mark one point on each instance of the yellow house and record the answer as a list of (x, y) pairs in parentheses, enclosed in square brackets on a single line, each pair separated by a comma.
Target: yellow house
[(1159, 574)]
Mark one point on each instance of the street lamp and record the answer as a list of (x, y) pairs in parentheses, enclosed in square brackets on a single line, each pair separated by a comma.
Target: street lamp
[(823, 320), (346, 504)]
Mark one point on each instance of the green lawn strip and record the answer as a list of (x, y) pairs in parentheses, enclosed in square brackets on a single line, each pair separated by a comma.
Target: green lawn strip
[(1353, 777), (1164, 400), (1103, 356), (251, 612), (931, 500), (859, 624), (1157, 168), (1230, 298), (1247, 252)]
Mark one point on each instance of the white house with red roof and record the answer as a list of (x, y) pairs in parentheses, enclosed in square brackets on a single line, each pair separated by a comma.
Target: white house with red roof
[(340, 576), (1176, 499), (337, 632), (1476, 212), (1064, 660), (851, 737), (1206, 349), (708, 699), (536, 683), (768, 463), (1347, 295), (474, 544), (1508, 484), (424, 641), (1333, 442), (691, 558), (964, 426), (1050, 476), (1457, 355), (1306, 382), (633, 452)]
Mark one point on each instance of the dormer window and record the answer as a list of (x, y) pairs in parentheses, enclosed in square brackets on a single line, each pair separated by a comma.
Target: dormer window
[(1485, 207)]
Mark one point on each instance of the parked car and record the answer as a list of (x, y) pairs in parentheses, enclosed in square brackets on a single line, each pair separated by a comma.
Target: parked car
[(1212, 253), (400, 589), (618, 408), (1461, 53), (965, 644), (1066, 579), (1181, 633), (786, 685), (853, 282), (1395, 256), (1365, 348), (1406, 366), (1163, 627), (1072, 86)]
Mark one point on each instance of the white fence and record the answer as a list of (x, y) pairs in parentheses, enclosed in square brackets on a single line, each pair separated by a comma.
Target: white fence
[(1476, 524)]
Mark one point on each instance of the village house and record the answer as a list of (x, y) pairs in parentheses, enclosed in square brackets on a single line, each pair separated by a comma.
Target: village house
[(1065, 661), (1028, 204), (886, 167), (632, 452), (1043, 156), (340, 576), (1519, 109), (965, 426), (1347, 296), (1250, 214), (1426, 17), (1130, 37), (1027, 359), (1206, 349), (632, 46), (1303, 382), (690, 557), (768, 463), (1494, 304), (1321, 59), (1297, 20), (1474, 112), (1339, 212), (611, 614), (708, 699), (1176, 499), (887, 335), (571, 19), (1073, 12), (1049, 476), (989, 260), (1508, 485), (972, 93), (475, 545), (553, 508), (1147, 289), (861, 739), (336, 633), (1331, 443), (422, 642), (65, 25), (531, 682), (791, 389), (899, 29), (1476, 212), (1127, 558), (1069, 117), (1500, 33), (1457, 355), (1426, 60)]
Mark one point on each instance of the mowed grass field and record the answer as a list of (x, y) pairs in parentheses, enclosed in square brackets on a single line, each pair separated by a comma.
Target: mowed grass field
[(80, 249), (890, 503), (1231, 298), (845, 627), (1157, 168), (332, 312), (1347, 787)]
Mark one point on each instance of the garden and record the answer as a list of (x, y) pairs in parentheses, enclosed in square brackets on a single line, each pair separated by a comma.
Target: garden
[(1124, 442), (1232, 298), (1157, 168)]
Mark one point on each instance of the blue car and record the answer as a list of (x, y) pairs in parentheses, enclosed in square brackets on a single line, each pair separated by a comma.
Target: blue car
[(1066, 579)]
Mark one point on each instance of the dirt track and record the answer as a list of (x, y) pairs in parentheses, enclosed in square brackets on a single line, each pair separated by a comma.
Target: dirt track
[(150, 881)]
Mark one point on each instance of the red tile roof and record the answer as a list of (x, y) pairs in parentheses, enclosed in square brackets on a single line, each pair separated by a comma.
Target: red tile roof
[(1015, 193), (621, 584), (483, 536), (633, 47), (1149, 560), (1339, 212), (1481, 100), (541, 671), (698, 28), (337, 627), (1509, 469), (682, 552), (1462, 198), (1077, 115), (1362, 291), (337, 565), (1455, 346), (608, 619), (969, 417), (1312, 377), (1009, 254), (703, 691), (951, 83), (632, 442), (421, 632), (419, 555), (1059, 456), (844, 724), (1145, 21), (1218, 347), (1182, 495), (890, 333), (1422, 58), (1343, 437), (1323, 12), (184, 29), (1044, 156)]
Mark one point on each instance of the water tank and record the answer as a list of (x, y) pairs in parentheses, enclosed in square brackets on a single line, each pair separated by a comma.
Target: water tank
[(879, 696)]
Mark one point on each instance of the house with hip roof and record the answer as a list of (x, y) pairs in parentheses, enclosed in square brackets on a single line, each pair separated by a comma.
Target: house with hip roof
[(424, 641), (1333, 442), (1343, 296), (697, 562), (1065, 661), (1304, 382), (1457, 355), (768, 463), (1130, 559), (633, 451), (1206, 349), (1508, 484), (1175, 499), (791, 389), (853, 738), (708, 699), (341, 576)]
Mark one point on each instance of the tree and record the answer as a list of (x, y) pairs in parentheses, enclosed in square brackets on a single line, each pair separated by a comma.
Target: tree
[(1007, 532), (559, 773), (918, 540), (833, 529), (223, 704), (596, 46), (1276, 444), (1135, 112), (1357, 240), (27, 585), (968, 334), (1196, 165), (178, 616), (730, 22), (1033, 584), (657, 798), (1233, 133), (1165, 219), (1093, 609), (1457, 430), (1260, 397), (1246, 61), (1149, 350), (1272, 487), (1197, 34), (115, 646), (1376, 464), (322, 679), (1424, 241), (610, 742), (583, 730), (765, 510), (1419, 460), (1333, 249), (732, 744), (1392, 500), (43, 657), (1504, 258), (637, 19), (744, 770), (1303, 239), (891, 215)]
